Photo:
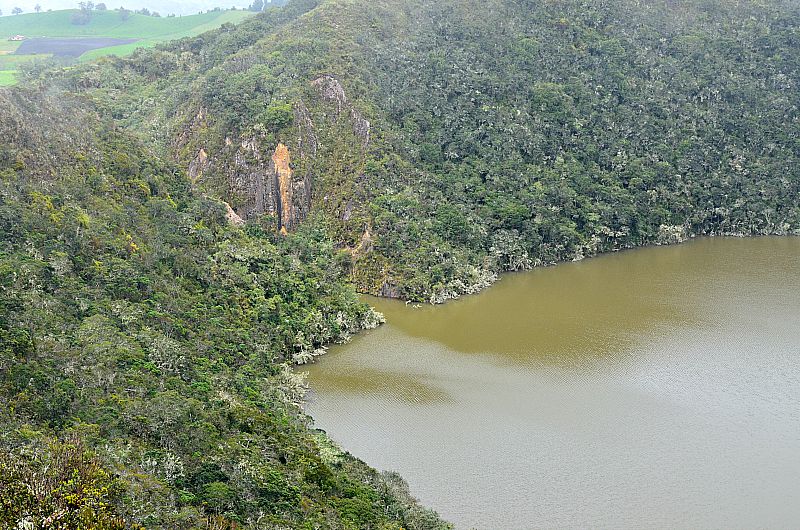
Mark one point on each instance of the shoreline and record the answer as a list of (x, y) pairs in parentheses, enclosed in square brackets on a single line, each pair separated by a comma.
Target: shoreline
[(495, 276)]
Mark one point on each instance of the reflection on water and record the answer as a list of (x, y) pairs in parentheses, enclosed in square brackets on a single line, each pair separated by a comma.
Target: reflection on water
[(656, 387), (414, 388)]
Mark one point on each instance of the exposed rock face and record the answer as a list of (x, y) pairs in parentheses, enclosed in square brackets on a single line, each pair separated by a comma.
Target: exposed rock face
[(389, 290), (332, 91), (257, 180), (283, 183), (198, 165), (365, 245), (232, 217), (250, 179), (268, 185)]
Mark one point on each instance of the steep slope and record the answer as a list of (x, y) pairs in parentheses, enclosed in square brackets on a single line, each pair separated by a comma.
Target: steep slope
[(145, 345), (179, 226), (443, 142)]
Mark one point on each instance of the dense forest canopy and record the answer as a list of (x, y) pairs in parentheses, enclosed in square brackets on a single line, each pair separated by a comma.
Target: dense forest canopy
[(145, 340), (178, 227), (499, 134)]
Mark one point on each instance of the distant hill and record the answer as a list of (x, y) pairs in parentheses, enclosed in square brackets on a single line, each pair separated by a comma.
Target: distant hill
[(147, 30), (110, 24)]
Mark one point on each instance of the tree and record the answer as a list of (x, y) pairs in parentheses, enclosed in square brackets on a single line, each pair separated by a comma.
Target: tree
[(37, 8), (124, 14), (70, 484), (84, 16), (16, 11), (277, 115), (100, 7), (257, 5)]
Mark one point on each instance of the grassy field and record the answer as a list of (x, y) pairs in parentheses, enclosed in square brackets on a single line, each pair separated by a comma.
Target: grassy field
[(7, 46), (149, 31), (7, 77), (9, 62)]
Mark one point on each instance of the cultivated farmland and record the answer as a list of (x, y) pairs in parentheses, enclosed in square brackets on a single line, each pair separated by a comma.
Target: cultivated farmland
[(106, 33)]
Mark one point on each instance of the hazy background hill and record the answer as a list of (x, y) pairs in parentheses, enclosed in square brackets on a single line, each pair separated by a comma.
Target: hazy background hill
[(164, 7), (140, 30)]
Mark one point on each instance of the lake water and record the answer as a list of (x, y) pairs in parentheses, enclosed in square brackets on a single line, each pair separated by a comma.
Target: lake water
[(654, 388)]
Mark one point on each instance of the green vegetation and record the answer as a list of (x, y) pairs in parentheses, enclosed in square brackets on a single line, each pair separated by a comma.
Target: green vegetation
[(8, 62), (149, 340), (7, 77), (58, 481), (505, 135), (8, 46), (411, 148), (109, 23)]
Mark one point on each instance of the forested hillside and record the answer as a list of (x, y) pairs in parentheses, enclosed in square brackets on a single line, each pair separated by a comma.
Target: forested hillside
[(145, 345), (180, 226), (439, 143)]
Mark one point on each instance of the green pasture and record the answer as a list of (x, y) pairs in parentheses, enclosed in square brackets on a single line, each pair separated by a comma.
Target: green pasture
[(149, 30), (110, 24), (7, 77)]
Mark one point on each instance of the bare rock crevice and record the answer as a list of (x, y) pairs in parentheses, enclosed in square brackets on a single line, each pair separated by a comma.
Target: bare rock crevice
[(257, 177), (198, 165), (283, 183)]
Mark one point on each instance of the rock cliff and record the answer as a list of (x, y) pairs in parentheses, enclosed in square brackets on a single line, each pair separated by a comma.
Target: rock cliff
[(263, 173)]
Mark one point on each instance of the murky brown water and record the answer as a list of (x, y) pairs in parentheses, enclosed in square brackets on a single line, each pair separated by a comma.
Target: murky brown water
[(652, 388)]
